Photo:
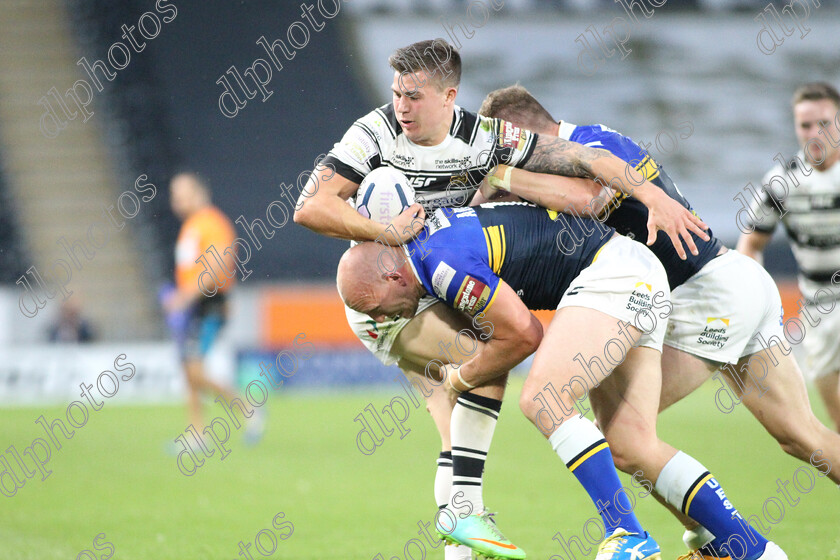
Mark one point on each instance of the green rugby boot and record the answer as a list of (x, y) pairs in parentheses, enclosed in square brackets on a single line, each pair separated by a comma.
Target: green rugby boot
[(478, 532)]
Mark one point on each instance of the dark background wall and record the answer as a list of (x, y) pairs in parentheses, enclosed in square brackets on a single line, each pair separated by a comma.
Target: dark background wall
[(315, 98), (245, 158)]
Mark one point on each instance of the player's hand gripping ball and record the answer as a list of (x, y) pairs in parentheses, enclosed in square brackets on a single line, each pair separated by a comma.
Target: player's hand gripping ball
[(383, 195)]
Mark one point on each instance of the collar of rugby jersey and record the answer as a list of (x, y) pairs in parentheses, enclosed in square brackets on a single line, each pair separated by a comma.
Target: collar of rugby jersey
[(411, 263), (566, 129)]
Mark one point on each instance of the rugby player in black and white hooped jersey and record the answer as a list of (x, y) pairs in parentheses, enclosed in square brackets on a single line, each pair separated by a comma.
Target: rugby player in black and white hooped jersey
[(810, 212), (446, 151)]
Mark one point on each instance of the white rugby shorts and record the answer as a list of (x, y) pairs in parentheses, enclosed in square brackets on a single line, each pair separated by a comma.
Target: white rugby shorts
[(822, 342), (625, 281), (719, 311)]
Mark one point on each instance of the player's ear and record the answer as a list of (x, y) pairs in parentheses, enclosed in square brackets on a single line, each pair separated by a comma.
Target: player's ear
[(449, 96)]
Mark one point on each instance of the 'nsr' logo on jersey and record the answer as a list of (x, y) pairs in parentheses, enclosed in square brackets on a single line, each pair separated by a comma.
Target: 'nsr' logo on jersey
[(419, 182)]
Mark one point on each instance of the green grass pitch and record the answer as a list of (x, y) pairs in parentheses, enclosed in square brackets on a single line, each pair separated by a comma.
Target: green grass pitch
[(114, 478)]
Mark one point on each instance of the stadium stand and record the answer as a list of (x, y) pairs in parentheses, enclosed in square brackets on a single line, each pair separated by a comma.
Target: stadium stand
[(11, 249), (138, 126), (58, 184)]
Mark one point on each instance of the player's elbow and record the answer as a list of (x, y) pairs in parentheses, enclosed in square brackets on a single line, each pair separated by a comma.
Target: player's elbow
[(305, 214), (531, 338), (536, 334)]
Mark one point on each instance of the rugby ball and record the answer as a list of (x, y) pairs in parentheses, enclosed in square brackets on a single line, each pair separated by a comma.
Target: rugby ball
[(384, 193)]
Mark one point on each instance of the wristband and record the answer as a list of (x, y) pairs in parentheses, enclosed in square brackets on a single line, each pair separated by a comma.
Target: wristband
[(502, 182), (464, 383), (449, 380)]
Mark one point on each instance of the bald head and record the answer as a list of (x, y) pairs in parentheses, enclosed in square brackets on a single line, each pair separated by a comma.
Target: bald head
[(188, 194), (358, 275), (377, 280)]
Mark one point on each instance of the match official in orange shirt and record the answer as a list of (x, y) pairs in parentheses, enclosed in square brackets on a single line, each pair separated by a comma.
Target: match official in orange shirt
[(195, 318)]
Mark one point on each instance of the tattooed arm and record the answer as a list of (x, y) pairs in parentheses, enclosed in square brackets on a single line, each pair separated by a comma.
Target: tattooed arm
[(557, 156), (563, 157)]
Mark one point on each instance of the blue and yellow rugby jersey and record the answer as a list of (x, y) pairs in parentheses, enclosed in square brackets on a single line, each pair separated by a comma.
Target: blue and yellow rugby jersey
[(629, 216), (464, 252)]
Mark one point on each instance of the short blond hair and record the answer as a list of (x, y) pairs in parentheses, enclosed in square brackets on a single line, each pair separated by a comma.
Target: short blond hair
[(814, 91), (516, 104)]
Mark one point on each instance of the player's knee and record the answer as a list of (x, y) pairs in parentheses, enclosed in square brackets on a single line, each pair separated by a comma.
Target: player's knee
[(792, 446), (194, 377), (527, 403), (625, 457), (545, 419), (796, 439), (633, 451)]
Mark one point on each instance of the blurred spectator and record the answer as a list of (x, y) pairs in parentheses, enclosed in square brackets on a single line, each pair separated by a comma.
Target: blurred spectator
[(70, 326)]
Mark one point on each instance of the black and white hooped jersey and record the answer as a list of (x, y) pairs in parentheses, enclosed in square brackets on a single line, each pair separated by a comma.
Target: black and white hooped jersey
[(442, 176), (810, 213)]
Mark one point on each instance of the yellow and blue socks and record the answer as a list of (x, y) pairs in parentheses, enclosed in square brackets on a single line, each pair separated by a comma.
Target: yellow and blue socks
[(582, 447), (688, 486)]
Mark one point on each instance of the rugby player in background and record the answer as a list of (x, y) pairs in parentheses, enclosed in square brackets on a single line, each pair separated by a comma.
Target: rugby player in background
[(446, 152), (810, 212), (717, 286), (194, 318)]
